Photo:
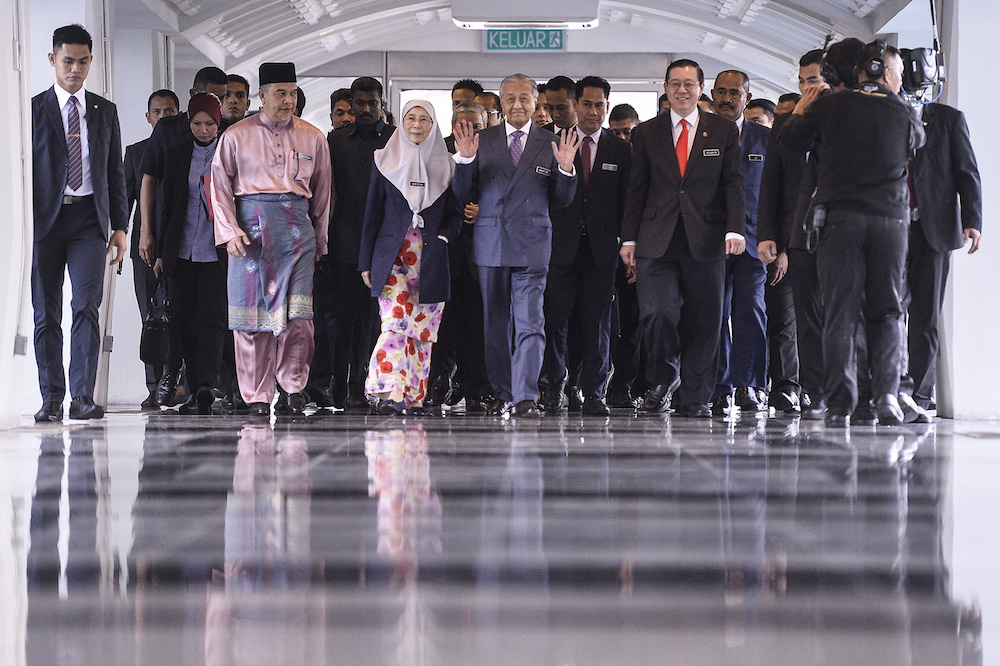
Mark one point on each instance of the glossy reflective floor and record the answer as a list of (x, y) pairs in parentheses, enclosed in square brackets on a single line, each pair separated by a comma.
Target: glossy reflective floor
[(352, 539)]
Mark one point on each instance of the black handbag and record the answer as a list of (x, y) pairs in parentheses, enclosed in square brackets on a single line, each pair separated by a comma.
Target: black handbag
[(154, 344)]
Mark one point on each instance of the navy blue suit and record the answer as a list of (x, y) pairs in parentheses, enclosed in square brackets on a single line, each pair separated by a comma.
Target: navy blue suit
[(73, 235), (387, 220), (743, 353), (512, 242)]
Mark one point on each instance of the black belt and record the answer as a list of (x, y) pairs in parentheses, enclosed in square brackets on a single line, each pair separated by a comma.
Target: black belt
[(68, 200)]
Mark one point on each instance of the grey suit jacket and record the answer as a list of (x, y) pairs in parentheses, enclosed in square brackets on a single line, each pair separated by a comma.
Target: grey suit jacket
[(513, 227), (50, 162)]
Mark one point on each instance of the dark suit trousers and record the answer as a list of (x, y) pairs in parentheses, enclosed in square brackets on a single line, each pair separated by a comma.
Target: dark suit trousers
[(459, 351), (743, 350), (626, 333), (783, 353), (75, 242), (589, 288), (321, 369), (145, 286), (199, 308), (861, 261), (926, 277), (351, 320), (804, 279), (513, 310), (680, 303)]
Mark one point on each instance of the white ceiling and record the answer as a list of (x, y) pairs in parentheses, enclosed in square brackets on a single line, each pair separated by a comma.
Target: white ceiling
[(763, 37)]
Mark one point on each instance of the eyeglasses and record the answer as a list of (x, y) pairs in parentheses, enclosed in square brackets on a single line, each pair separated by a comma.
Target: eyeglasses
[(687, 85)]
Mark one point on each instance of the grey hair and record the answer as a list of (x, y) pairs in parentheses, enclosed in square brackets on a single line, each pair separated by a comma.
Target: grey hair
[(520, 78), (469, 107)]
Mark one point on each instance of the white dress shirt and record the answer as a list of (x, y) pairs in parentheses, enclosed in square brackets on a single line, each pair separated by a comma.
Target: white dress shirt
[(62, 96), (593, 149)]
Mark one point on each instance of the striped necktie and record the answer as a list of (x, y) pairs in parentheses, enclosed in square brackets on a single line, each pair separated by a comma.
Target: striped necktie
[(515, 147), (75, 176)]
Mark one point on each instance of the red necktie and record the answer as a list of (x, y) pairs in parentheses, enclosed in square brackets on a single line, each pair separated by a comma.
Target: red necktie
[(585, 158), (682, 147)]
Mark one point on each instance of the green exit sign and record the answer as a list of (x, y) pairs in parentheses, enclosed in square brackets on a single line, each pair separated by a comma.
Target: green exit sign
[(520, 39)]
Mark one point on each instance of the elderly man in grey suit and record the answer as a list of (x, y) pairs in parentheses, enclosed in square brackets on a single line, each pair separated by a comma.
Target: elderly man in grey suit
[(516, 171), (79, 191)]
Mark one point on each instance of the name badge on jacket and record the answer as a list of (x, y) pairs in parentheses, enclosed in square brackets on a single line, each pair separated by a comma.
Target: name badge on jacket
[(711, 152), (416, 183), (609, 167), (542, 170), (755, 158), (304, 157)]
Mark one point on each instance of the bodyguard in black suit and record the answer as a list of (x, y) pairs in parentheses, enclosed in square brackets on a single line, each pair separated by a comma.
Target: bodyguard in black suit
[(684, 213), (79, 189), (161, 104), (516, 171), (585, 250), (946, 202), (351, 317)]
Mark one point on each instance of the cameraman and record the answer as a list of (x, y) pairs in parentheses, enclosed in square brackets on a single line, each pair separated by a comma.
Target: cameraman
[(862, 139)]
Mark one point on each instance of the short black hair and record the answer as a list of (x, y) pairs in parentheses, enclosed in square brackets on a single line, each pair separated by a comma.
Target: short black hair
[(468, 84), (760, 103), (236, 78), (562, 83), (541, 88), (736, 72), (844, 56), (164, 92), (207, 76), (366, 84), (685, 62), (789, 97), (814, 57), (872, 50), (660, 100), (72, 34), (623, 112), (339, 95), (300, 101), (593, 82)]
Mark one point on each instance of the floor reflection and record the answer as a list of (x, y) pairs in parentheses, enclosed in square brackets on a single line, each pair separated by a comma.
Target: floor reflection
[(336, 539)]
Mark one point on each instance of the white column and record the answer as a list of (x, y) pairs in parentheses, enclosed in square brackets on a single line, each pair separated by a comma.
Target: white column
[(971, 316)]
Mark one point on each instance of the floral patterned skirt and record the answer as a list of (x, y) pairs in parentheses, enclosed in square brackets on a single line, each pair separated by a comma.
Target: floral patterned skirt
[(402, 356)]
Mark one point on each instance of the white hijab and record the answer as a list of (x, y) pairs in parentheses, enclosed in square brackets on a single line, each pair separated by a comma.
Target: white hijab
[(420, 171)]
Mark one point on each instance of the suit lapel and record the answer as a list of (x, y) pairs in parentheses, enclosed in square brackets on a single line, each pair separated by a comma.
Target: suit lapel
[(701, 137), (666, 143), (496, 145), (93, 123), (54, 116)]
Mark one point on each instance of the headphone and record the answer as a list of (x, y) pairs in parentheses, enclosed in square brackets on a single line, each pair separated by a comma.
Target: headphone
[(874, 67), (829, 74)]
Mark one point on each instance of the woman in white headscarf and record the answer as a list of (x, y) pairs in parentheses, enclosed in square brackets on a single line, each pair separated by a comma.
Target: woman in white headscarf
[(410, 216)]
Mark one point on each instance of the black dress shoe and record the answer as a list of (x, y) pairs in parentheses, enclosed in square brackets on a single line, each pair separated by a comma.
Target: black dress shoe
[(527, 409), (833, 420), (785, 402), (499, 407), (150, 404), (439, 391), (51, 412), (864, 414), (166, 389), (816, 411), (657, 399), (888, 410), (391, 407), (722, 405), (695, 410), (475, 405), (595, 407), (319, 396), (619, 397), (83, 408), (575, 398), (205, 398), (259, 409), (297, 403), (748, 400), (281, 404), (357, 402), (555, 401), (912, 412)]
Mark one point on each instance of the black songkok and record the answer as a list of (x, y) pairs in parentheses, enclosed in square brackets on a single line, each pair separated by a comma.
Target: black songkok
[(277, 72)]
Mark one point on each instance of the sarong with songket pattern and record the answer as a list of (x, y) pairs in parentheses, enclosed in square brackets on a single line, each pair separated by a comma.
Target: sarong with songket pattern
[(273, 282)]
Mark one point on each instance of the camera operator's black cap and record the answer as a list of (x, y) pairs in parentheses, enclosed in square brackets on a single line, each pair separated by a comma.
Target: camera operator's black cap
[(277, 72)]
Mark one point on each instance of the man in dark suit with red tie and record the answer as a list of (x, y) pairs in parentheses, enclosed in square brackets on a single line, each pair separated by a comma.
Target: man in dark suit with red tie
[(79, 190), (585, 251), (684, 213)]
